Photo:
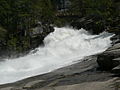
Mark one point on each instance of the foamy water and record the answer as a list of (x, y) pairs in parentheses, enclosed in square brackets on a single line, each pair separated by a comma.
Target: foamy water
[(63, 47)]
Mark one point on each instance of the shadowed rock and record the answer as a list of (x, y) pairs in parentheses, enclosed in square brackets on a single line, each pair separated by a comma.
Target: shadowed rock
[(107, 60)]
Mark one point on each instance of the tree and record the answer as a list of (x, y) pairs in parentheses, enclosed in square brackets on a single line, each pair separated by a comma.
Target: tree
[(23, 14), (17, 17)]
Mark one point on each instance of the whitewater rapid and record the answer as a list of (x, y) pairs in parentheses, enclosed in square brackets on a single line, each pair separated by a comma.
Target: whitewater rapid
[(63, 47)]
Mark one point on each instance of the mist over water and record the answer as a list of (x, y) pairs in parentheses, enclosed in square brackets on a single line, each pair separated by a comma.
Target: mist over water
[(63, 47)]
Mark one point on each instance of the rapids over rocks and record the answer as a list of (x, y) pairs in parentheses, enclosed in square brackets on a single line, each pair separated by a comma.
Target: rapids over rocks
[(63, 47)]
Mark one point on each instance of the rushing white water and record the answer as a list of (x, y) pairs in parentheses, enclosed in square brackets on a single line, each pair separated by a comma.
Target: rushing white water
[(62, 47)]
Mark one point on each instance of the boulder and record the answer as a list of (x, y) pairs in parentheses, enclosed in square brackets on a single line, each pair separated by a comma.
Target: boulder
[(115, 39), (89, 23), (117, 68), (106, 62), (39, 33), (114, 47), (110, 58)]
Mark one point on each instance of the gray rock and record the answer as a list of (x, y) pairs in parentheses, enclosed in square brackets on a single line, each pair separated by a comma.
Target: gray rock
[(114, 52), (116, 46), (38, 34), (115, 39), (116, 70), (117, 59), (84, 86), (30, 84), (106, 62), (109, 59), (81, 72)]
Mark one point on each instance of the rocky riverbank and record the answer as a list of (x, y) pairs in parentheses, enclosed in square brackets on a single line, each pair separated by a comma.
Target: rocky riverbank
[(110, 59), (81, 73)]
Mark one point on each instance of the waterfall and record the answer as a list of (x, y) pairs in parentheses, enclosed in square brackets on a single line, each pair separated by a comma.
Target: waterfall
[(63, 47)]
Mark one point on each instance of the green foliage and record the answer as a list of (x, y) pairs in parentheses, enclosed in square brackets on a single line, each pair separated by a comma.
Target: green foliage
[(17, 45), (23, 14), (78, 7), (104, 13), (26, 43), (3, 33), (18, 16), (12, 44), (102, 8), (60, 22)]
